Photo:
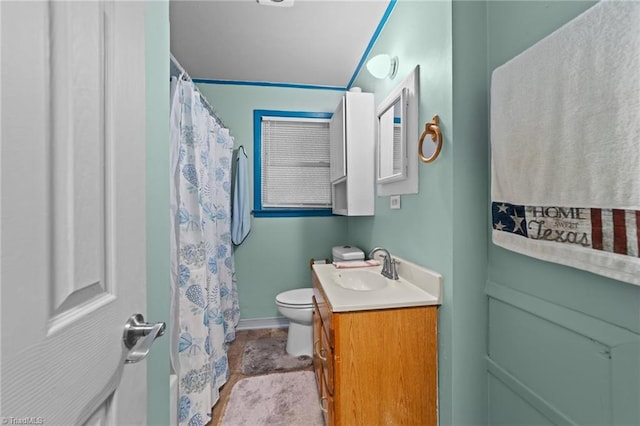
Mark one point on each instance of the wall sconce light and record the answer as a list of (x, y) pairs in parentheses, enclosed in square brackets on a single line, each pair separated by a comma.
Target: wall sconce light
[(383, 66)]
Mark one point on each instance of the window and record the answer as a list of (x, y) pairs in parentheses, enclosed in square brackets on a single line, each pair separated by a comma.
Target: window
[(291, 170)]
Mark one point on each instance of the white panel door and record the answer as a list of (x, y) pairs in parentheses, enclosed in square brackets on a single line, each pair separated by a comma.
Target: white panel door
[(73, 211)]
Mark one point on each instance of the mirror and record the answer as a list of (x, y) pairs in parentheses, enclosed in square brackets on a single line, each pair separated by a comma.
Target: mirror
[(397, 139), (392, 152)]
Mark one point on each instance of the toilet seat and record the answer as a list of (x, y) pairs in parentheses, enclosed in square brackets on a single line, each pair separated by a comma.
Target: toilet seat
[(298, 298)]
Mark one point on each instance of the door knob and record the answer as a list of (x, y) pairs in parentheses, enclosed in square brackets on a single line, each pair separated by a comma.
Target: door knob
[(134, 329)]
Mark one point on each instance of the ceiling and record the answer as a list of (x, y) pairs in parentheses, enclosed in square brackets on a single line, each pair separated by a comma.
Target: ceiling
[(312, 43)]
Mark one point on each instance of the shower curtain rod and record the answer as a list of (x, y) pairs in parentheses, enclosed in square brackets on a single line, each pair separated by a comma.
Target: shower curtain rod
[(206, 103)]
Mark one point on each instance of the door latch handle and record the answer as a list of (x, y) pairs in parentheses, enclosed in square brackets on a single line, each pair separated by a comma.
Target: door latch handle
[(134, 330)]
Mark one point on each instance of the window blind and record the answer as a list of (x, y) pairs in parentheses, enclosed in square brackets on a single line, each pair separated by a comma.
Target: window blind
[(295, 163)]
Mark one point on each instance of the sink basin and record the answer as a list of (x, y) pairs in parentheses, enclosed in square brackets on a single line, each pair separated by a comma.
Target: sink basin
[(360, 280), (360, 289)]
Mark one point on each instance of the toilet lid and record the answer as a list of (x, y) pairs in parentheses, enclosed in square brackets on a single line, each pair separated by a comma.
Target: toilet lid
[(299, 296)]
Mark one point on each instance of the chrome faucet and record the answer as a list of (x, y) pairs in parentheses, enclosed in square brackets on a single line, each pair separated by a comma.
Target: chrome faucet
[(388, 265)]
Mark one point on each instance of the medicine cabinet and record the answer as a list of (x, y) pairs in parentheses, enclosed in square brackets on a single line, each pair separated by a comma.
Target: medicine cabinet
[(352, 136), (397, 139)]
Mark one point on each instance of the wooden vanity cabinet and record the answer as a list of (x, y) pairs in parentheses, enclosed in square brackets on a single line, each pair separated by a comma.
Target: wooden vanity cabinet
[(376, 367)]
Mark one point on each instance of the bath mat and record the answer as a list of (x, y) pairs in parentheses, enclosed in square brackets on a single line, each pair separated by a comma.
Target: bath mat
[(281, 399), (269, 355)]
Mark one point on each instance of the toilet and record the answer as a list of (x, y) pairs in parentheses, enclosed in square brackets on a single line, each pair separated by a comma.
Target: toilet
[(297, 306)]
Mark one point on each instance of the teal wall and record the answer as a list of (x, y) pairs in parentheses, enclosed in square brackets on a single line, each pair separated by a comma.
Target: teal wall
[(443, 227), (157, 89), (275, 256), (564, 344), (470, 188)]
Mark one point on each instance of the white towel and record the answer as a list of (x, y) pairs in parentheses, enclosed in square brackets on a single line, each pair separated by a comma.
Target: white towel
[(356, 263), (565, 145), (241, 214)]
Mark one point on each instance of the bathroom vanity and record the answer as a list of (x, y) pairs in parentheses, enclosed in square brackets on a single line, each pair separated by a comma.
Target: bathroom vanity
[(375, 355)]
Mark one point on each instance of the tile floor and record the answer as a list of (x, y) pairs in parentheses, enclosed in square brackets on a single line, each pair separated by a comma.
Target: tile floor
[(235, 366)]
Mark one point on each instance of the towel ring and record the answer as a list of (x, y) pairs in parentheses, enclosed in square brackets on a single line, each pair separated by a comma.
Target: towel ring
[(432, 129)]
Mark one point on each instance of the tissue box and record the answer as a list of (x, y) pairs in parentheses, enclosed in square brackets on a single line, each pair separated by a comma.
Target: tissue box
[(342, 253)]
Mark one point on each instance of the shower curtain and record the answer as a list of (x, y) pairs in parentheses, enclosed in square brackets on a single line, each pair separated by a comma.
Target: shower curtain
[(204, 301)]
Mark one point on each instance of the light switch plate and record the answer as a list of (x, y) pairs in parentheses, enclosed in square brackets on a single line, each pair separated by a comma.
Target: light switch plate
[(394, 202)]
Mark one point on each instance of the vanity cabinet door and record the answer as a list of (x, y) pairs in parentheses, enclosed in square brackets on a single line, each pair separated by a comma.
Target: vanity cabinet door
[(323, 309), (323, 364), (327, 356), (317, 329), (326, 403)]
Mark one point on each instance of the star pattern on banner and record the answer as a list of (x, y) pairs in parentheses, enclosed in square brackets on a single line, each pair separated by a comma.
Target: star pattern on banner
[(509, 218), (517, 223)]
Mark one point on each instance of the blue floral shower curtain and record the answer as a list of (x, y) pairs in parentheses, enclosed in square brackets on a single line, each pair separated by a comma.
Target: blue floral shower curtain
[(204, 301)]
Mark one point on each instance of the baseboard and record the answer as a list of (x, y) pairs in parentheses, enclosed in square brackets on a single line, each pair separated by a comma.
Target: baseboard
[(256, 323)]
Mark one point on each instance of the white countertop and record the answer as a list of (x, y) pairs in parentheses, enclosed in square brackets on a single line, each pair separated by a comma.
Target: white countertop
[(417, 286)]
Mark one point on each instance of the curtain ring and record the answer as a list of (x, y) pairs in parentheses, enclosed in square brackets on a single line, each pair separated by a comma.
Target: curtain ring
[(432, 129)]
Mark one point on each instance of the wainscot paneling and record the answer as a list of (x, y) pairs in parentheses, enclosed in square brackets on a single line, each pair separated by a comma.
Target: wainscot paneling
[(569, 367), (508, 408)]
